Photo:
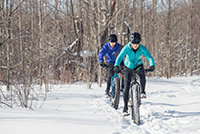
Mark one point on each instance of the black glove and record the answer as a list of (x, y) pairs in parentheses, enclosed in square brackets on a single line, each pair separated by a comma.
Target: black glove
[(103, 64), (151, 68), (116, 69)]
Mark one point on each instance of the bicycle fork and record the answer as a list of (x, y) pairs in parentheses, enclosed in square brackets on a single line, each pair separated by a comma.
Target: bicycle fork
[(111, 87)]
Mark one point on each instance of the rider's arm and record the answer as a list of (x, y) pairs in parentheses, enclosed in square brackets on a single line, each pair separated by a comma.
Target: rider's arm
[(148, 56), (102, 53), (121, 56)]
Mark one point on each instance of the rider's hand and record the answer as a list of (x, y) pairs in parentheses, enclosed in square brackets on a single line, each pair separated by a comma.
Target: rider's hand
[(151, 68), (103, 64), (116, 69)]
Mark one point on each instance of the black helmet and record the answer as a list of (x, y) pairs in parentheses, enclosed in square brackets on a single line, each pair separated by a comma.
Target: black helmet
[(135, 38), (112, 38)]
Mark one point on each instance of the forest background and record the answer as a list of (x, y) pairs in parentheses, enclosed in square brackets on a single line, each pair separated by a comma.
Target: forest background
[(44, 42)]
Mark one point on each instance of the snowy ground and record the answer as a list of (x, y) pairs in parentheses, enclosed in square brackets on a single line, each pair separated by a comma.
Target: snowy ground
[(172, 107)]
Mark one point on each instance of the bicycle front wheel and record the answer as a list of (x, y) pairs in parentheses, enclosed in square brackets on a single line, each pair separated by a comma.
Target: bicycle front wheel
[(115, 97), (135, 103)]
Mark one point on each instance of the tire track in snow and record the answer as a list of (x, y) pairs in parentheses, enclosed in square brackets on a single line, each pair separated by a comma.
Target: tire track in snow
[(120, 123), (157, 117)]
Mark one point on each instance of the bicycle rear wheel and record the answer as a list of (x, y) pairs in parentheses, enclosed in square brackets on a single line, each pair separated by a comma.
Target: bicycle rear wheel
[(115, 97), (135, 103)]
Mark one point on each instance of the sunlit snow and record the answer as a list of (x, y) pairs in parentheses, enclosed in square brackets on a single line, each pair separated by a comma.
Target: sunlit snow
[(172, 107)]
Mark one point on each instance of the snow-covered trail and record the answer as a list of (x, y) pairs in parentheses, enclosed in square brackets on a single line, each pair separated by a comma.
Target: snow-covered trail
[(172, 107)]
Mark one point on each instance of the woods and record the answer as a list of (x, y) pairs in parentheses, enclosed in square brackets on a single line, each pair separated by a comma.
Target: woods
[(57, 41)]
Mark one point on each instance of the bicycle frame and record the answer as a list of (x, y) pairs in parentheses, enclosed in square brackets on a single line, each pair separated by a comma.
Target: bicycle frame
[(111, 87)]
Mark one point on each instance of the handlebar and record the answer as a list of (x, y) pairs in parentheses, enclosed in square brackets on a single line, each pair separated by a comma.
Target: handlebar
[(147, 70), (133, 71), (137, 71)]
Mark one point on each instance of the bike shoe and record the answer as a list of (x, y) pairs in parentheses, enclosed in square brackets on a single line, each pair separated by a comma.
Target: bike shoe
[(125, 111), (143, 95), (107, 93)]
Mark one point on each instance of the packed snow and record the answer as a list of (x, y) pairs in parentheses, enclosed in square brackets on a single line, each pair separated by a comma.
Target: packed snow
[(172, 106)]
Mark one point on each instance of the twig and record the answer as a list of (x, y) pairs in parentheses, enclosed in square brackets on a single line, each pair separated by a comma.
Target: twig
[(58, 107), (5, 104)]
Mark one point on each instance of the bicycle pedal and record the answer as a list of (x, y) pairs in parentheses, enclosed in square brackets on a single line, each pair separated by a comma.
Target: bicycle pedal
[(143, 97), (127, 114)]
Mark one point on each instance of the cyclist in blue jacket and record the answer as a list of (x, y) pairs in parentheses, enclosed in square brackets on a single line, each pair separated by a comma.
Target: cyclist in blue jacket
[(133, 61), (111, 49)]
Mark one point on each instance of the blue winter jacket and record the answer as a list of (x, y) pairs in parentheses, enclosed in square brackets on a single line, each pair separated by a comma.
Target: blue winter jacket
[(110, 52), (133, 59)]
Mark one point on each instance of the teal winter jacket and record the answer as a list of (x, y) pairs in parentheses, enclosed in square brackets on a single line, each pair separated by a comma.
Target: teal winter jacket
[(133, 59)]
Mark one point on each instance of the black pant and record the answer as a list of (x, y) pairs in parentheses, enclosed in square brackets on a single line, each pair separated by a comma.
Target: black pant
[(110, 75), (127, 79)]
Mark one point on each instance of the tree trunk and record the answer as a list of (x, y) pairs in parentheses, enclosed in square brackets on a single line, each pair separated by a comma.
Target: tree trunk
[(88, 69), (180, 61), (110, 17), (153, 31), (198, 60), (134, 18), (186, 50), (141, 16), (99, 42), (122, 24), (20, 42), (169, 40), (66, 37), (40, 40), (117, 17), (32, 35), (191, 38), (8, 46)]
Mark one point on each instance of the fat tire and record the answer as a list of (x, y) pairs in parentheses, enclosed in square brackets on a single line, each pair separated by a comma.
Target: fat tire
[(115, 97), (135, 103), (139, 94)]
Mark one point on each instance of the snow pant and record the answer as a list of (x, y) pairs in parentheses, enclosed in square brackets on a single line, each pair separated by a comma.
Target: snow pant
[(127, 80), (110, 72)]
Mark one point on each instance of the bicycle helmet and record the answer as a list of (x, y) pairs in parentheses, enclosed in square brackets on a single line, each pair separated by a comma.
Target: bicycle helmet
[(112, 38), (135, 38)]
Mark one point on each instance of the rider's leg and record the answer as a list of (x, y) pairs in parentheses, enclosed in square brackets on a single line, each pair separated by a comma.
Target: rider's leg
[(110, 73), (122, 83), (127, 80), (122, 79), (141, 74)]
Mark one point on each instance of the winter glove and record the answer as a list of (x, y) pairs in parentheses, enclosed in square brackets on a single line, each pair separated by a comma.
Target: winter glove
[(116, 69), (103, 64), (151, 68)]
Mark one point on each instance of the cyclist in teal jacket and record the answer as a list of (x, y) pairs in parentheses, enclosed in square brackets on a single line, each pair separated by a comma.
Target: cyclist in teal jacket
[(133, 61)]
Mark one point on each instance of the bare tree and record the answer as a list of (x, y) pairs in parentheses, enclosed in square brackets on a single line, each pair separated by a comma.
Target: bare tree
[(99, 41), (191, 36), (40, 25), (168, 40), (8, 43)]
